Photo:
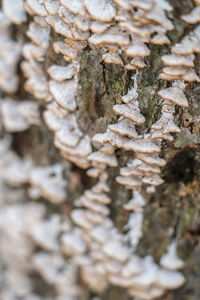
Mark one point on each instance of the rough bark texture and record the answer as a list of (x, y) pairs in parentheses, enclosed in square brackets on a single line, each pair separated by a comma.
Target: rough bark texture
[(175, 207)]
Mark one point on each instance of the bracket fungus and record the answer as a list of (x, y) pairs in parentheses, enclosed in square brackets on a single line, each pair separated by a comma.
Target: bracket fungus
[(9, 57), (194, 16), (14, 11), (19, 116), (58, 33), (50, 182), (170, 260)]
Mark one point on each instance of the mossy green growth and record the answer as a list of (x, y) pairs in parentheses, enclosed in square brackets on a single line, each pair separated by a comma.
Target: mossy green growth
[(186, 138), (117, 86)]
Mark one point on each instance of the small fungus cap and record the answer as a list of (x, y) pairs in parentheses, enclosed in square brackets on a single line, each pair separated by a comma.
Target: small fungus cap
[(103, 11), (174, 94)]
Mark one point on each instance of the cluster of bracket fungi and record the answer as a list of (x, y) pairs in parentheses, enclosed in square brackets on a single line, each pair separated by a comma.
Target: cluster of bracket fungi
[(92, 244)]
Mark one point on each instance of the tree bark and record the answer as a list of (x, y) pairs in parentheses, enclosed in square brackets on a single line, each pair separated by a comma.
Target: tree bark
[(174, 210)]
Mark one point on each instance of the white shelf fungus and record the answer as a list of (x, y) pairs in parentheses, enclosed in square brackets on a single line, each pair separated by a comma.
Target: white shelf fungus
[(92, 243), (19, 116), (50, 182)]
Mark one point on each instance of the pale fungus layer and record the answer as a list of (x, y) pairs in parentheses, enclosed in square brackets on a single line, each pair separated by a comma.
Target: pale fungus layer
[(81, 246)]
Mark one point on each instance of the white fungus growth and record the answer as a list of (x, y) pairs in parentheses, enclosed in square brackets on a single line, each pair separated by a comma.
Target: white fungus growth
[(14, 11), (50, 182), (92, 244), (170, 260), (9, 57), (19, 116)]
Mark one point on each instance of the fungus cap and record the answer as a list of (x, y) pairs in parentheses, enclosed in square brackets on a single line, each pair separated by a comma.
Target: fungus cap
[(74, 6), (72, 243), (144, 5), (147, 294), (101, 198), (112, 58), (94, 218), (137, 48), (104, 158), (103, 11), (111, 137), (82, 23), (158, 134), (146, 168), (99, 27), (81, 150), (138, 62), (170, 260), (94, 206), (112, 36), (39, 35), (169, 279), (193, 17), (51, 6), (46, 232), (132, 267), (64, 49), (129, 171), (178, 60), (124, 4), (78, 216), (125, 128), (116, 251), (129, 180), (37, 7), (174, 94), (130, 67), (142, 145), (107, 149), (154, 180), (14, 10), (60, 73), (129, 111), (160, 39), (64, 93)]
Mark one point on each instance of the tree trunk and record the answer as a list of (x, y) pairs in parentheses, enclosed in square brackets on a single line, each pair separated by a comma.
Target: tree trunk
[(173, 210)]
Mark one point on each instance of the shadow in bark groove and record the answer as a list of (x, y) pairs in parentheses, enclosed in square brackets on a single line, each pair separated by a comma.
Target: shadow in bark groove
[(181, 167)]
